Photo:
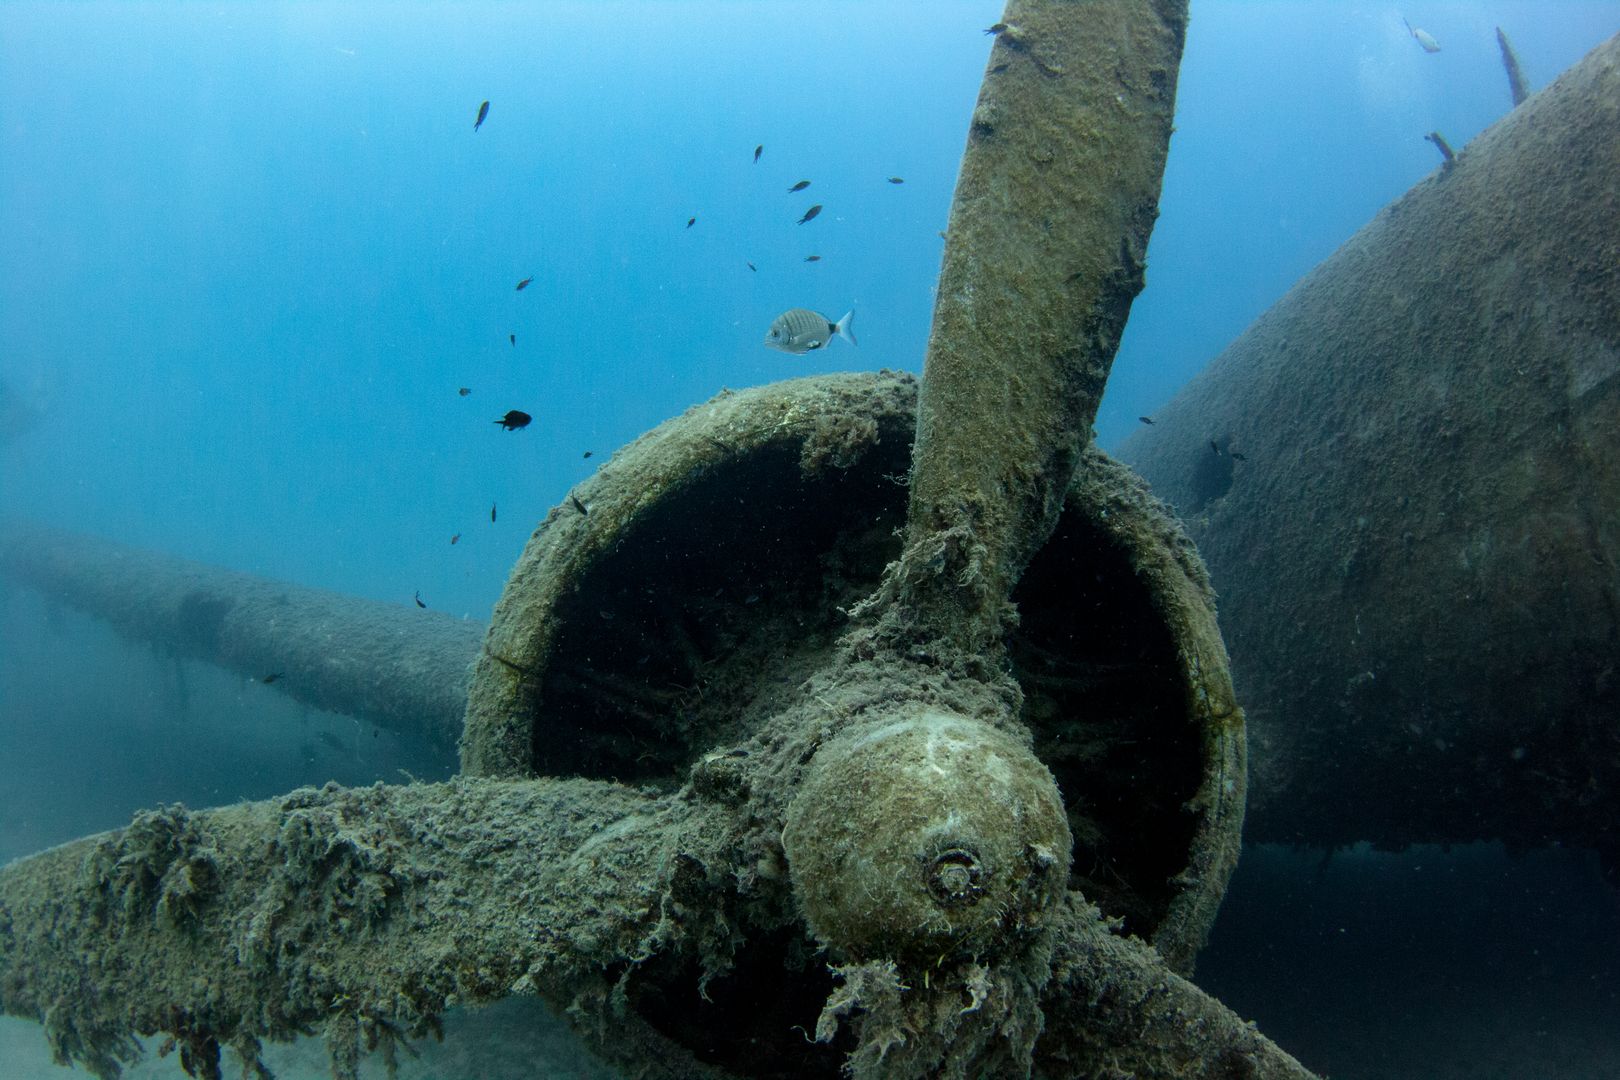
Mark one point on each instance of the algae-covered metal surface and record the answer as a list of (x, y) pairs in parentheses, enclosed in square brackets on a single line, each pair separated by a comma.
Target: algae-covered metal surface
[(749, 472), (1045, 252), (357, 914), (860, 839), (1417, 550), (399, 668)]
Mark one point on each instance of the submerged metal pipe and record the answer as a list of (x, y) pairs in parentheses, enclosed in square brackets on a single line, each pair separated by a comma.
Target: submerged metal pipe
[(400, 668), (1405, 479)]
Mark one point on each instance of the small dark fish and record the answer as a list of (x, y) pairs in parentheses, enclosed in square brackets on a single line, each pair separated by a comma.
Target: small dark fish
[(996, 28), (483, 111), (1145, 419), (273, 676), (810, 213), (1213, 446), (577, 504), (418, 596), (464, 391), (1235, 456), (588, 453), (691, 221), (754, 268), (374, 733), (758, 150), (513, 339), (524, 284), (812, 258), (800, 186), (455, 539), (492, 511), (514, 419), (897, 179)]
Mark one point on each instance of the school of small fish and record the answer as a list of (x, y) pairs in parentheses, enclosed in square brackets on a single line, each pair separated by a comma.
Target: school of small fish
[(799, 330), (796, 331)]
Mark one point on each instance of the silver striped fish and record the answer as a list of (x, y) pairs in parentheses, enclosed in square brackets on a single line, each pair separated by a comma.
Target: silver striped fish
[(801, 330)]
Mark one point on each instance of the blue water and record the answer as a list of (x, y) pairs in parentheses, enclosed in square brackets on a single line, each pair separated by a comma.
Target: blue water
[(251, 252)]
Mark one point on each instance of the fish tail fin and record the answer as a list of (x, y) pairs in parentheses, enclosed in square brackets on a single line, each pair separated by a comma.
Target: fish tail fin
[(1409, 29), (844, 327)]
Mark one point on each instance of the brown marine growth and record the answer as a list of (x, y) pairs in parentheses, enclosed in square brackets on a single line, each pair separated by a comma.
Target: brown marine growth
[(727, 875), (704, 692), (1418, 565)]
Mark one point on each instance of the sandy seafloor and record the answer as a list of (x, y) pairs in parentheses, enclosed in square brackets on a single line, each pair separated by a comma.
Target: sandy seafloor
[(1464, 964)]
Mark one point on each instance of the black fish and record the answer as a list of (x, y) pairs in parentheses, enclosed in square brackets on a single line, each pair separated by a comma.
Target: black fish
[(754, 268), (483, 111), (524, 284), (800, 186), (897, 180), (464, 391), (810, 213), (812, 258), (455, 538), (418, 596), (588, 453), (514, 419), (492, 511), (691, 221), (513, 339), (758, 150), (577, 504), (1145, 419), (1235, 456), (1213, 446), (273, 676)]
